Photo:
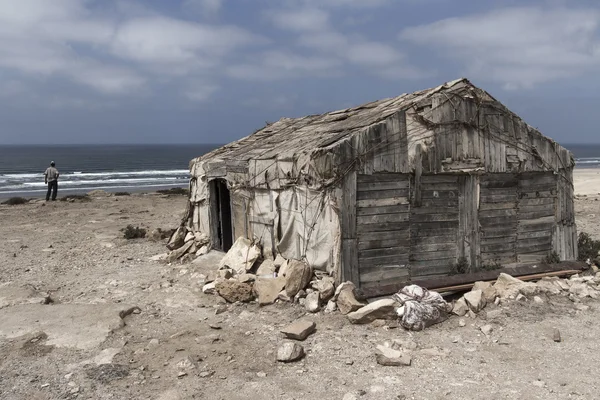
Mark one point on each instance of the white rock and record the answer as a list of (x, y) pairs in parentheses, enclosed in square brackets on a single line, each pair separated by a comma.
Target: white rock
[(289, 352), (538, 300), (312, 303), (380, 309), (389, 357), (460, 307), (475, 300), (209, 288), (486, 329), (331, 306)]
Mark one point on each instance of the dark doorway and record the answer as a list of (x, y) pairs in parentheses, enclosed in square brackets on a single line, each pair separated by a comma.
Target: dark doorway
[(221, 215)]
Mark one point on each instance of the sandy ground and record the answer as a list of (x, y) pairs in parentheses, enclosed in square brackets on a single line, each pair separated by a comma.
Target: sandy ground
[(168, 347)]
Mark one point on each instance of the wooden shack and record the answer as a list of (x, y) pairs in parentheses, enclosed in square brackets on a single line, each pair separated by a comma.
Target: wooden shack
[(438, 182)]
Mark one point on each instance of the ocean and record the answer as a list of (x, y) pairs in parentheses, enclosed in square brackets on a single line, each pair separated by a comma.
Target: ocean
[(108, 167), (129, 167)]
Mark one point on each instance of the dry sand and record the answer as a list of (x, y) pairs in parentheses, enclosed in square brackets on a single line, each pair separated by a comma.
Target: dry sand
[(168, 350)]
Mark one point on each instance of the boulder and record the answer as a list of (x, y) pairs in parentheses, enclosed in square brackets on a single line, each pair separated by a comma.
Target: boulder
[(460, 307), (299, 330), (233, 291), (266, 268), (392, 358), (297, 277), (268, 289), (331, 306), (380, 309), (241, 256), (325, 287), (475, 300), (346, 302), (289, 352)]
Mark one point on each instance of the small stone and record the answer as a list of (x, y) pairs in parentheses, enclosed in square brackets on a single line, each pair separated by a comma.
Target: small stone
[(556, 336), (266, 269), (582, 307), (520, 297), (312, 303), (331, 306), (460, 307), (346, 302), (209, 288), (538, 300), (297, 277), (233, 291), (289, 352), (378, 323), (153, 343), (261, 374), (342, 286), (392, 358), (350, 396), (380, 309), (299, 330), (267, 289), (220, 309), (225, 273), (282, 296), (246, 278), (181, 374), (462, 323), (325, 287), (206, 374), (539, 384), (475, 300), (487, 329), (214, 326)]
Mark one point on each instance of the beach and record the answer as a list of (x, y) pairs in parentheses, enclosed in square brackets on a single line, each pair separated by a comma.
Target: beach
[(120, 325)]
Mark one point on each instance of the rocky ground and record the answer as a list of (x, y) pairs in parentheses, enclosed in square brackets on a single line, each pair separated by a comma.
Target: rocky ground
[(86, 314)]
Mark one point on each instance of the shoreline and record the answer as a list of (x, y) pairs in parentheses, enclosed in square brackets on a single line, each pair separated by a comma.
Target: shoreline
[(41, 194)]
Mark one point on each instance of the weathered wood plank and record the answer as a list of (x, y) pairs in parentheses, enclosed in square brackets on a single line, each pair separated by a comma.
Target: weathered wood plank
[(498, 247), (382, 202), (348, 211), (537, 248), (500, 231), (400, 233), (535, 215), (419, 272), (387, 185), (350, 260), (418, 175), (505, 212), (382, 261), (400, 280), (385, 218), (498, 198), (381, 177), (382, 252), (549, 208), (384, 272), (379, 227), (420, 248), (436, 255), (440, 178), (535, 202), (538, 194), (496, 206), (382, 194), (364, 244), (433, 217), (362, 211)]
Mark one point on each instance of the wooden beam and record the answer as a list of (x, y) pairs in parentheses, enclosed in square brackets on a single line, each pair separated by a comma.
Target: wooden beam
[(466, 279)]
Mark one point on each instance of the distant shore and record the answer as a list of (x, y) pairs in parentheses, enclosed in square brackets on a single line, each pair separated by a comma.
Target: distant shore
[(65, 192)]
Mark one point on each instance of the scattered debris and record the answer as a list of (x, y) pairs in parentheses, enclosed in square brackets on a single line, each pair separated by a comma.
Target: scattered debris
[(299, 330), (487, 329), (556, 336), (392, 358), (380, 309), (289, 352)]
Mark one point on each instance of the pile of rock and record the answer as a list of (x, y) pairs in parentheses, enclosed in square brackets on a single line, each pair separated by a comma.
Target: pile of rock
[(186, 245), (242, 277), (508, 288)]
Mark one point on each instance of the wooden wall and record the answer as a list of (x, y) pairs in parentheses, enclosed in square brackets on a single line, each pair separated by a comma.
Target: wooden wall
[(405, 233), (383, 230)]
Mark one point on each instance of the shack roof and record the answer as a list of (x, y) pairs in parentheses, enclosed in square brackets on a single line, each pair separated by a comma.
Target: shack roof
[(289, 137)]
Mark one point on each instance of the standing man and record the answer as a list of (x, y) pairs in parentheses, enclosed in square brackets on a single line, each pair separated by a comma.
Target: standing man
[(51, 179)]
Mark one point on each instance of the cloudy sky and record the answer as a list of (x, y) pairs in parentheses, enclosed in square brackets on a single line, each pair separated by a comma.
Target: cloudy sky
[(210, 71)]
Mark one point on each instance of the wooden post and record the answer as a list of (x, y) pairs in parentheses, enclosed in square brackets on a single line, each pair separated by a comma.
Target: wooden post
[(418, 173), (348, 225)]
